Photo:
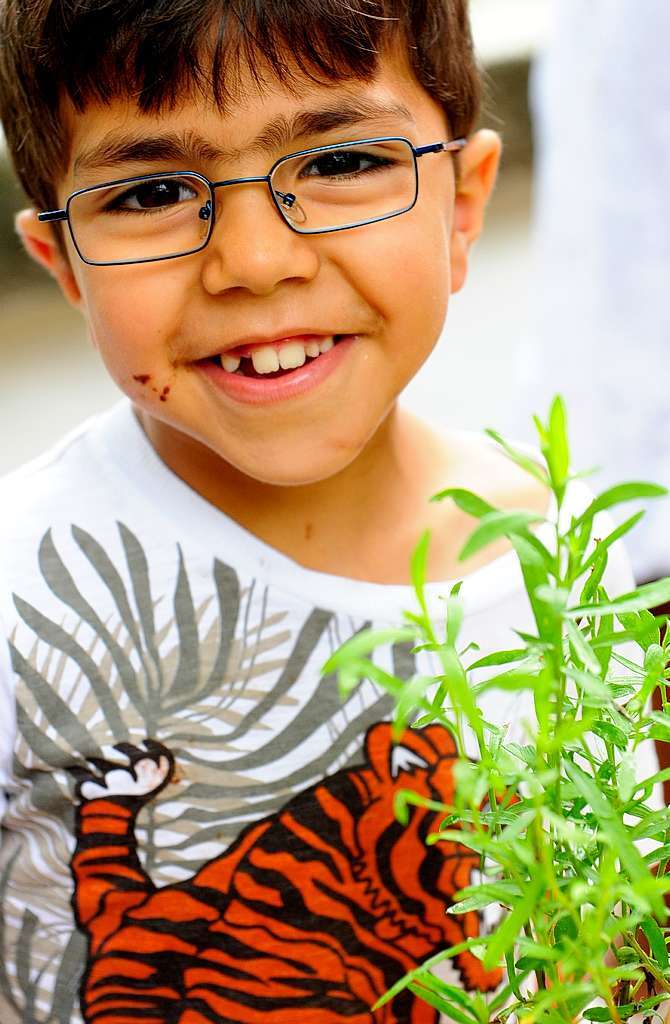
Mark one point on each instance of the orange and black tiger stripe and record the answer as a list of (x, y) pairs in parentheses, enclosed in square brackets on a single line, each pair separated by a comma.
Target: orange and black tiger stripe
[(308, 918)]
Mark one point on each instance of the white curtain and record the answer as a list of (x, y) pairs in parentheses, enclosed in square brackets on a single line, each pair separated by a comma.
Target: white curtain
[(601, 274)]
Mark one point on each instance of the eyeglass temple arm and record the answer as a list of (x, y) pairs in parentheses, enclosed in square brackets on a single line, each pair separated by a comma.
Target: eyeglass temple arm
[(441, 147), (52, 215)]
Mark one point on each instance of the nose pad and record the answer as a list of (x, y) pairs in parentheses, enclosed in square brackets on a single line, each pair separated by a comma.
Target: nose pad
[(205, 212), (291, 208)]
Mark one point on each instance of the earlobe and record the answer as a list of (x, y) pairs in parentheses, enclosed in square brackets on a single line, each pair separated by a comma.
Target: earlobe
[(478, 169), (40, 243)]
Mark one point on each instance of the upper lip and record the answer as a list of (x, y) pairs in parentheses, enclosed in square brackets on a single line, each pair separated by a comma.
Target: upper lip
[(288, 334)]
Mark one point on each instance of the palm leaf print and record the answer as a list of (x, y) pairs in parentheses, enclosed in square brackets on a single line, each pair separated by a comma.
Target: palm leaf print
[(223, 671)]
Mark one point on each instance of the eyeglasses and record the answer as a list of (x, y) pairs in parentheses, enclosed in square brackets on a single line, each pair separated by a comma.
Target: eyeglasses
[(164, 216)]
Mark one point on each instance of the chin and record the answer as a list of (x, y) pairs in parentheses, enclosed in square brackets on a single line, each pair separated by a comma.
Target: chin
[(295, 469)]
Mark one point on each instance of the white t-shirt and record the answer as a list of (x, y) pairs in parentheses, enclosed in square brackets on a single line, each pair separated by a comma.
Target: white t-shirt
[(195, 820)]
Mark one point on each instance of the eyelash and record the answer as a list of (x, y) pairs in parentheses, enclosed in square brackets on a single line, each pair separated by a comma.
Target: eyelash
[(114, 206), (377, 164)]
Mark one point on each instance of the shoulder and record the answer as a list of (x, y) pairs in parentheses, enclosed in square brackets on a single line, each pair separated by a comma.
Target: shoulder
[(71, 484), (35, 484), (70, 478), (474, 462), (471, 461)]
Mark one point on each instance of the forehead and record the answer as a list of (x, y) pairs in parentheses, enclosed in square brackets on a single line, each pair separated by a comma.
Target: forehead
[(269, 120)]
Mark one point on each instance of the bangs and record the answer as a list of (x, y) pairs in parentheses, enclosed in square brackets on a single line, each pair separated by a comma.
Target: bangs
[(144, 54)]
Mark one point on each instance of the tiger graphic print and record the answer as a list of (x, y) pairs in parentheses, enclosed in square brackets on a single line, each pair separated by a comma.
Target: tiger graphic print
[(307, 918)]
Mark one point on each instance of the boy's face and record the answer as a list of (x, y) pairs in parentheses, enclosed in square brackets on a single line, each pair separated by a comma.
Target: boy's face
[(384, 287)]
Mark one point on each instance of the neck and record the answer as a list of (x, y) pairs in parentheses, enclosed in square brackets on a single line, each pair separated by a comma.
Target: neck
[(332, 525)]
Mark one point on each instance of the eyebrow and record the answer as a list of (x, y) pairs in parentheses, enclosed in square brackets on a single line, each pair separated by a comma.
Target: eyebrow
[(118, 148)]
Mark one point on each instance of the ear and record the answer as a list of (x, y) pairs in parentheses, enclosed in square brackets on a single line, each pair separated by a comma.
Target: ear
[(478, 169), (42, 245)]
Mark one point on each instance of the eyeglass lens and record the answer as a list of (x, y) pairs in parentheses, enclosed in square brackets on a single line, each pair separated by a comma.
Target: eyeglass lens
[(168, 215)]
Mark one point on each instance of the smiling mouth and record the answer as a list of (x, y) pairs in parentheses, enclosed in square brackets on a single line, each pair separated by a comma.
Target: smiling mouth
[(267, 362)]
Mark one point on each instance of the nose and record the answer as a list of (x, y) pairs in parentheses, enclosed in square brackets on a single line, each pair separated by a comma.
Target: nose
[(251, 246)]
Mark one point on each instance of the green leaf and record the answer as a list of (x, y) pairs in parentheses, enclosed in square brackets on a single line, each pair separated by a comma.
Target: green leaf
[(565, 928), (620, 494), (513, 680), (603, 650), (439, 1003), (592, 589), (365, 643), (468, 502), (649, 596), (508, 931), (449, 992), (522, 460), (408, 701), (455, 612), (500, 658), (644, 627), (494, 526), (512, 974), (611, 539), (617, 834), (535, 575), (582, 649), (610, 733), (656, 942), (597, 1013), (555, 598), (476, 897), (557, 452), (418, 574), (461, 691), (530, 963), (596, 691)]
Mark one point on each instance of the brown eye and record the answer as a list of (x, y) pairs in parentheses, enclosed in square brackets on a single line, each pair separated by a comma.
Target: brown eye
[(343, 163), (155, 195)]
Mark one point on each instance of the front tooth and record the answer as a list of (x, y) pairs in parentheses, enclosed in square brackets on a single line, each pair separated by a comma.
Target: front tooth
[(326, 345), (312, 349), (230, 363), (265, 359), (292, 355)]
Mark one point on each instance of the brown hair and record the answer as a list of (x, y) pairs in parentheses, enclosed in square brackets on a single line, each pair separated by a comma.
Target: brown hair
[(156, 50)]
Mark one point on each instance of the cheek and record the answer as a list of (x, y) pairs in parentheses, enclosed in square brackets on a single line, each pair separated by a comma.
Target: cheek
[(401, 267), (133, 314)]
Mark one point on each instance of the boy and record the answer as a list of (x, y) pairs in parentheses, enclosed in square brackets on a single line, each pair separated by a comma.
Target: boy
[(196, 828)]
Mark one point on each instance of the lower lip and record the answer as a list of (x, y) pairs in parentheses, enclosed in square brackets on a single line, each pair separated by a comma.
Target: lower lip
[(256, 391)]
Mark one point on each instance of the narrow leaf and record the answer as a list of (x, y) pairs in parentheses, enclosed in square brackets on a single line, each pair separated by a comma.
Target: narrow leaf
[(620, 494), (500, 658), (467, 501), (648, 596), (656, 942), (520, 458), (508, 931), (364, 643), (611, 539), (494, 526)]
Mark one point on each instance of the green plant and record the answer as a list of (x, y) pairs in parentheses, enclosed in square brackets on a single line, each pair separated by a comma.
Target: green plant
[(557, 820)]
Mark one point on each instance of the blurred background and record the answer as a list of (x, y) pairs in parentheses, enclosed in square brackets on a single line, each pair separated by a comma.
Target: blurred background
[(510, 340)]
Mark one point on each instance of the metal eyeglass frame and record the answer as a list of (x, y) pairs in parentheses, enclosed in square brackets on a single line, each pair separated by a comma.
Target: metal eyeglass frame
[(208, 212)]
